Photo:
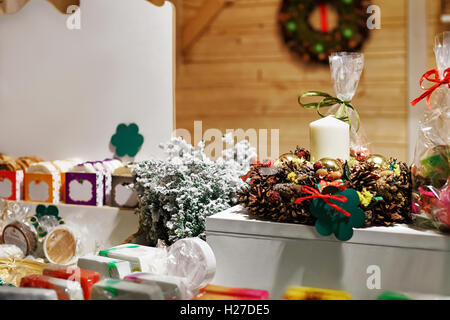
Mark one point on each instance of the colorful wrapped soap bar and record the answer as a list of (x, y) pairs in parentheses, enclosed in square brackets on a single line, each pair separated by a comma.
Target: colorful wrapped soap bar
[(173, 288), (213, 292), (65, 289), (109, 289), (86, 278), (141, 258), (107, 267), (305, 293), (15, 293)]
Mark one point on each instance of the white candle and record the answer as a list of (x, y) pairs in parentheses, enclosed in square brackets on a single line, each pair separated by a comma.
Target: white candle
[(329, 138)]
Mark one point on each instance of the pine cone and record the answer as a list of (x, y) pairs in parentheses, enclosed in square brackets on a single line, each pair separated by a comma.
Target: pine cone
[(305, 174), (396, 193), (363, 175), (271, 196)]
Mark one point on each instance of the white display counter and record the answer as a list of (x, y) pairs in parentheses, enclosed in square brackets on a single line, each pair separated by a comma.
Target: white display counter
[(261, 254)]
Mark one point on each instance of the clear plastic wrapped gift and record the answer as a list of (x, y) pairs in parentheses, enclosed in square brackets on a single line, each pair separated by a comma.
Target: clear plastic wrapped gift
[(431, 167), (346, 69)]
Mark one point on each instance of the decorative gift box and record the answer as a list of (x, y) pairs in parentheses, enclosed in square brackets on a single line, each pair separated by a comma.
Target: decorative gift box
[(42, 187), (11, 184), (84, 188), (122, 195)]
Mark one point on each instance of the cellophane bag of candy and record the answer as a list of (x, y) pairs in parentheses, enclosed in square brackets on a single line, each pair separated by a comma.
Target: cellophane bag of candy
[(346, 69), (431, 167)]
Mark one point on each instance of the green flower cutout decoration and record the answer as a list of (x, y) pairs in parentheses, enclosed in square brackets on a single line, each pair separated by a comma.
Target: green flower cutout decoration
[(331, 221), (42, 210), (127, 140)]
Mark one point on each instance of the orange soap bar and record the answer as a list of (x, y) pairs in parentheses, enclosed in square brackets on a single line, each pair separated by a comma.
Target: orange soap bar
[(86, 278), (65, 289), (213, 292)]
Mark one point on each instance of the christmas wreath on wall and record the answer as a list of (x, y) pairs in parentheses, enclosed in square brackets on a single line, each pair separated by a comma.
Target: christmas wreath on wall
[(314, 29)]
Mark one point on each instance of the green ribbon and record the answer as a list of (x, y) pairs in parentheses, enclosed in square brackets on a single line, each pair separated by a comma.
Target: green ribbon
[(112, 266), (105, 253), (328, 101), (109, 287)]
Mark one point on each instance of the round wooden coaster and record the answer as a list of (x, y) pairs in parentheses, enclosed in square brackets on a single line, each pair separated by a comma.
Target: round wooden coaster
[(60, 246)]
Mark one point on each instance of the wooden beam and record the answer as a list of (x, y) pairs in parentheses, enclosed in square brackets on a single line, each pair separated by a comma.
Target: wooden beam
[(62, 5), (193, 29), (11, 6), (158, 3)]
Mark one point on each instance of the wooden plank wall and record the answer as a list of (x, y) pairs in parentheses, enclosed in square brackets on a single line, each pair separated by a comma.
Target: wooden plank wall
[(240, 75), (434, 27)]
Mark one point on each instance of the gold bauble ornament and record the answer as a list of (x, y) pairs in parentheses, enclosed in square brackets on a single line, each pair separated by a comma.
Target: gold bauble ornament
[(286, 157), (331, 165), (377, 159)]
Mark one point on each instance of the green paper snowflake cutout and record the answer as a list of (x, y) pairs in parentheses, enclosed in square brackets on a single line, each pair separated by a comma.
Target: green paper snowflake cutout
[(331, 221), (127, 140)]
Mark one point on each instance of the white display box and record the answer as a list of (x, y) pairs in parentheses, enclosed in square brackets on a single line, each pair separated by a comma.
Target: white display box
[(258, 254)]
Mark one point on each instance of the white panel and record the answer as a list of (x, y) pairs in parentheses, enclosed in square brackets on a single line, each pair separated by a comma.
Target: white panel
[(274, 264), (63, 92), (257, 254)]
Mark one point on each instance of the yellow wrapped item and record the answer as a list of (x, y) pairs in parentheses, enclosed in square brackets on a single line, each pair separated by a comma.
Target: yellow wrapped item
[(305, 293), (12, 270)]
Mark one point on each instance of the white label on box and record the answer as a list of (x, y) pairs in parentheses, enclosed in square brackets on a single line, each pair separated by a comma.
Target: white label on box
[(124, 196), (5, 188), (80, 190), (38, 191)]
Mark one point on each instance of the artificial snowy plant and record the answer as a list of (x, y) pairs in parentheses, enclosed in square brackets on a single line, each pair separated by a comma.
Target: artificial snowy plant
[(177, 194)]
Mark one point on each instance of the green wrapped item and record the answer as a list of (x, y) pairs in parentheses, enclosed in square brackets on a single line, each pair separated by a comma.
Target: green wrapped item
[(437, 166), (390, 295)]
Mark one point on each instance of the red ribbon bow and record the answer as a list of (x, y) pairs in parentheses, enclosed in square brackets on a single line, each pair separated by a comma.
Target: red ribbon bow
[(438, 82), (253, 164), (314, 193)]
